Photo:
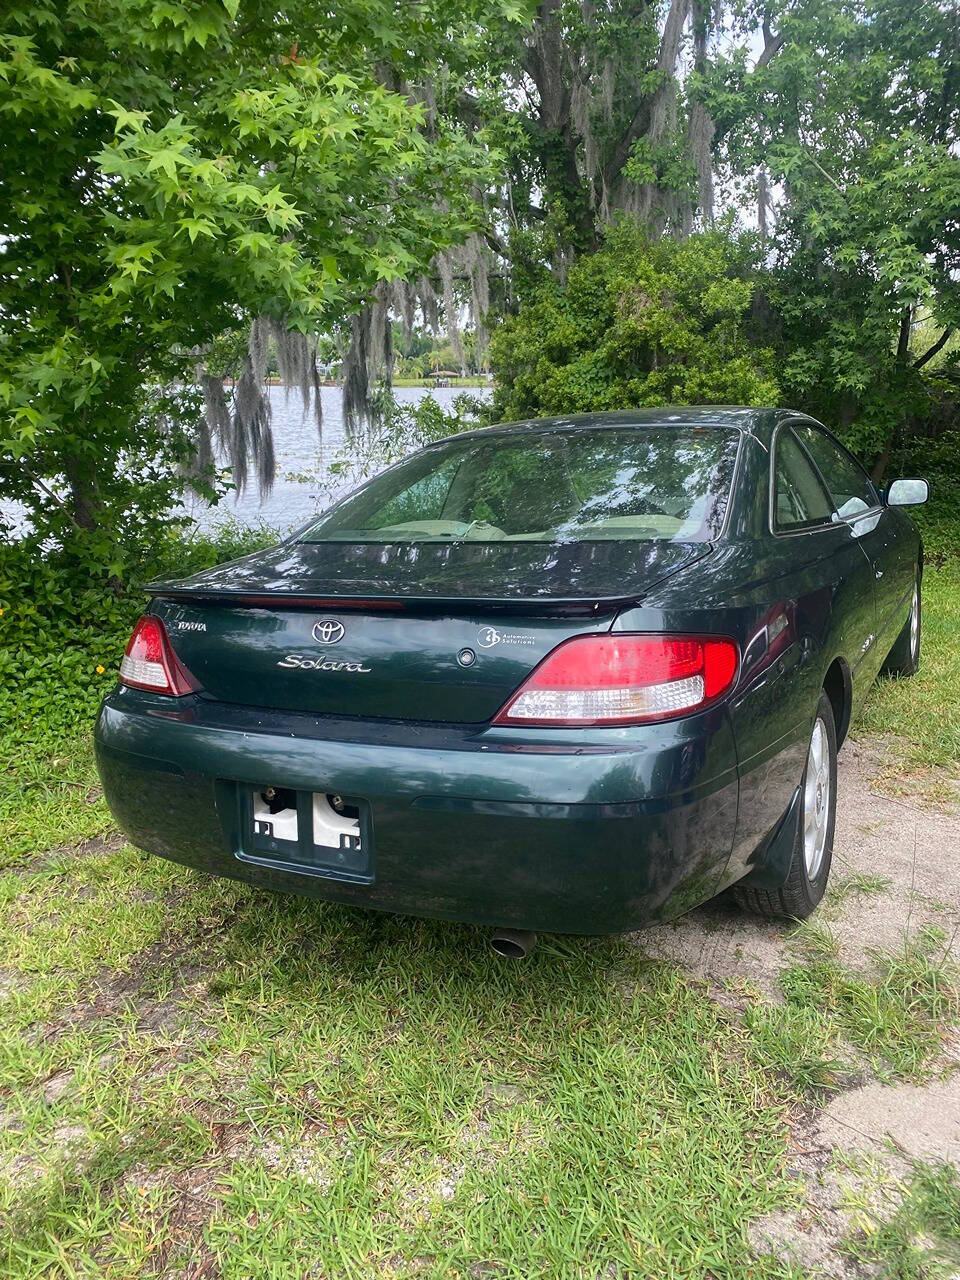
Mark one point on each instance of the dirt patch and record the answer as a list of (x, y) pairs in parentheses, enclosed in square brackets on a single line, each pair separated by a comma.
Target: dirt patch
[(60, 859), (425, 1180), (56, 1086), (813, 1237), (108, 996), (921, 1121), (18, 1167), (183, 1252), (851, 1158), (916, 850), (899, 775), (10, 983), (722, 944)]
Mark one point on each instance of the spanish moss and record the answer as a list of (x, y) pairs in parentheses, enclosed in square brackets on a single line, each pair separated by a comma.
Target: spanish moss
[(240, 425), (356, 383)]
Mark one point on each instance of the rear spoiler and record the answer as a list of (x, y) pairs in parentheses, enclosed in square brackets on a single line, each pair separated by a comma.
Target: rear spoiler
[(205, 593), (531, 607)]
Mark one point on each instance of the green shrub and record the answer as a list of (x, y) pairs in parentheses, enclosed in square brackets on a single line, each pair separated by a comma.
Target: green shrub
[(637, 323), (64, 626), (937, 460)]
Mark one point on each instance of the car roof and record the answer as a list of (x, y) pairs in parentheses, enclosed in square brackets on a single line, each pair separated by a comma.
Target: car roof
[(759, 422)]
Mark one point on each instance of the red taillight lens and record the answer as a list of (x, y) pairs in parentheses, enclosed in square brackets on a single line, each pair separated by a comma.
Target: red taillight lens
[(624, 679), (150, 663)]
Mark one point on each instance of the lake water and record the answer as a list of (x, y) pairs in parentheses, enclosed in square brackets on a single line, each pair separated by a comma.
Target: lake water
[(299, 450)]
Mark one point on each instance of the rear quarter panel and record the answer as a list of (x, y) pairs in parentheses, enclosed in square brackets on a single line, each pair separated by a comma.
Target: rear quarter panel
[(793, 604)]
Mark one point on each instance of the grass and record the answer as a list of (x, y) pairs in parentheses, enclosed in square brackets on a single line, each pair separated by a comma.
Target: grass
[(200, 1079), (194, 1070), (47, 798), (920, 717), (895, 1015), (859, 884), (799, 1044), (920, 1240)]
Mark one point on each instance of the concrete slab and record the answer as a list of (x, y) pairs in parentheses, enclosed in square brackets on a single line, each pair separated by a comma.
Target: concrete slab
[(922, 1120)]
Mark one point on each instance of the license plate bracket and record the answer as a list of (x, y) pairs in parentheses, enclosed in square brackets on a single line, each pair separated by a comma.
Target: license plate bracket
[(311, 832)]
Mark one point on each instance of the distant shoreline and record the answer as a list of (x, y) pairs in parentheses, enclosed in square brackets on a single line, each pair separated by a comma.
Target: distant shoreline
[(442, 382), (426, 383)]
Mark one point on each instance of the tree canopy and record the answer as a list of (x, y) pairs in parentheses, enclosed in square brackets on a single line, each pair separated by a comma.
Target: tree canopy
[(831, 130), (641, 199), (170, 171), (855, 117)]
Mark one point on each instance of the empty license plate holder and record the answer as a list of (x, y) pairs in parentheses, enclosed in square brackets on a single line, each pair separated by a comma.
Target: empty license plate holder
[(311, 832)]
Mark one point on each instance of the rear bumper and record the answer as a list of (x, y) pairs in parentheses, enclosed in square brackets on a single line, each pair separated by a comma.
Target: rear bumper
[(535, 829)]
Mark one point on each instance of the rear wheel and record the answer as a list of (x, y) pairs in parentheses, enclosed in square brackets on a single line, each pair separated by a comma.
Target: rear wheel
[(813, 849), (904, 658)]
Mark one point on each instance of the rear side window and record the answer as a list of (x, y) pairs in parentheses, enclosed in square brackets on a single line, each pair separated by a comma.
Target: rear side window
[(799, 498), (556, 486), (853, 492), (422, 500)]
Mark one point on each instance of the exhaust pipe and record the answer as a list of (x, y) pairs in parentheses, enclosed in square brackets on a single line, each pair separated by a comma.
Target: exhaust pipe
[(515, 943)]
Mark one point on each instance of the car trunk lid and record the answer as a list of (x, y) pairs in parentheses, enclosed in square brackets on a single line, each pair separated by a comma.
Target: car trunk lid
[(425, 632)]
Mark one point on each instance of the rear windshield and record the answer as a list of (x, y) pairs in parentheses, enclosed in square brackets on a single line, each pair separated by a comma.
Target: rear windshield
[(630, 484)]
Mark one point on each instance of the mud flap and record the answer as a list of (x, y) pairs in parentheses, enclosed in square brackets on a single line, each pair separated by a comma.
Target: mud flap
[(772, 860)]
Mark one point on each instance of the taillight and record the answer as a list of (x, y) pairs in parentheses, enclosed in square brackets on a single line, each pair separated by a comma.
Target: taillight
[(150, 663), (624, 679)]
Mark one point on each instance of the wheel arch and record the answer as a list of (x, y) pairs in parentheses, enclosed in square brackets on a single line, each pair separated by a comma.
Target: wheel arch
[(838, 686)]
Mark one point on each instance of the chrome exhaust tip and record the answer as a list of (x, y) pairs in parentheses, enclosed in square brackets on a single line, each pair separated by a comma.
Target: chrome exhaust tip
[(515, 943)]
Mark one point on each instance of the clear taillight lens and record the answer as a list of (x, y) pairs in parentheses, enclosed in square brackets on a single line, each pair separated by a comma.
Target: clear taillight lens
[(150, 663), (624, 679)]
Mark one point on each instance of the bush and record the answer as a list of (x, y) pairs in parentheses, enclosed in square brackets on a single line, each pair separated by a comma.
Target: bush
[(937, 460), (637, 323), (63, 627)]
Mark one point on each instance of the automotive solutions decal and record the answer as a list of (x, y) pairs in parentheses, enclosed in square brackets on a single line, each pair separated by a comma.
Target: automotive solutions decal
[(487, 637)]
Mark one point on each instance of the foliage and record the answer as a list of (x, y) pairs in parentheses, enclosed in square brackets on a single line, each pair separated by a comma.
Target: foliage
[(594, 109), (394, 431), (62, 635), (637, 323), (169, 171), (856, 116), (850, 115), (934, 453)]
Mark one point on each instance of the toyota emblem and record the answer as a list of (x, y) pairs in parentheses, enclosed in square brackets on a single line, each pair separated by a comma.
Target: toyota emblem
[(328, 631)]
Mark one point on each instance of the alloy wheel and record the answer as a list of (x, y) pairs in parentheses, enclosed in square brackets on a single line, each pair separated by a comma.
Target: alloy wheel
[(915, 624), (816, 800)]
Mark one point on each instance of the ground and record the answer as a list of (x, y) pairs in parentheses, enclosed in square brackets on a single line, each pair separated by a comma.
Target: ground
[(896, 876), (199, 1080)]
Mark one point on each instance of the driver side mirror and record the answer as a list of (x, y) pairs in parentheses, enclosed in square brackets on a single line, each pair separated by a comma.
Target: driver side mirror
[(907, 493)]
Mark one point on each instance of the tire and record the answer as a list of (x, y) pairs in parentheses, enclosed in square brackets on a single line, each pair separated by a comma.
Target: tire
[(904, 658), (807, 879)]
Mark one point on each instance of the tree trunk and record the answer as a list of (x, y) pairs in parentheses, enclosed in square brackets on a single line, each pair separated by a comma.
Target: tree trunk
[(545, 63), (84, 495), (882, 460), (903, 350)]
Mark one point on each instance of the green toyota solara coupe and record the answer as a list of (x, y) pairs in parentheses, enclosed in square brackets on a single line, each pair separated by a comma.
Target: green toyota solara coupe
[(575, 674)]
